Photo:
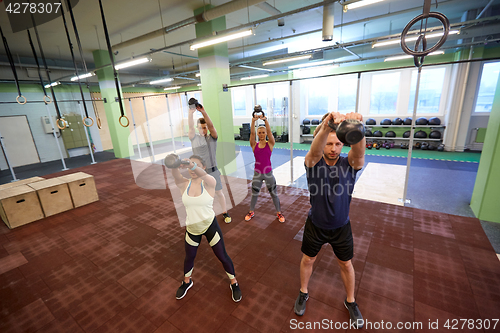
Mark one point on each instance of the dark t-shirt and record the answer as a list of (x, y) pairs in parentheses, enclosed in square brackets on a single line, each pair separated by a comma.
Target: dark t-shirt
[(330, 189)]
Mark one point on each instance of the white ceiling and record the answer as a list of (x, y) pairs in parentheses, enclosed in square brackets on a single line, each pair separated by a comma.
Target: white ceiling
[(128, 19)]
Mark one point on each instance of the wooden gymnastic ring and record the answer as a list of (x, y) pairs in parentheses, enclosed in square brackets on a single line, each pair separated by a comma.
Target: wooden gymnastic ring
[(85, 124), (63, 121), (50, 99), (120, 121), (22, 103), (98, 122)]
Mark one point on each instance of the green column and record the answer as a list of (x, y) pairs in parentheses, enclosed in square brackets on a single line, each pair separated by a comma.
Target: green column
[(484, 202), (119, 134), (214, 70)]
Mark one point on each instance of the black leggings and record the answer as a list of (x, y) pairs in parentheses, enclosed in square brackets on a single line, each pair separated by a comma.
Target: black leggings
[(214, 237)]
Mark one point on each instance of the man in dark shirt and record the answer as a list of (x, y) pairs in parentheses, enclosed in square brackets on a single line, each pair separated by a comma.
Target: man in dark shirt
[(330, 179)]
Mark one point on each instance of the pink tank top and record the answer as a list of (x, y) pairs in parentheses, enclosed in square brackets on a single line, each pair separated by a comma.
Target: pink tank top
[(263, 158)]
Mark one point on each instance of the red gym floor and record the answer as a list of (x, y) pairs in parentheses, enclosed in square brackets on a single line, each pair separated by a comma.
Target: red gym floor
[(115, 265)]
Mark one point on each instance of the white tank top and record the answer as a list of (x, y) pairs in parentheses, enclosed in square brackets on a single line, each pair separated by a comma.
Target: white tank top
[(199, 210)]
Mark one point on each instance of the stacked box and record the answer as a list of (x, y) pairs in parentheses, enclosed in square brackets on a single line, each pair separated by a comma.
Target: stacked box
[(81, 187), (21, 182), (53, 195), (19, 205)]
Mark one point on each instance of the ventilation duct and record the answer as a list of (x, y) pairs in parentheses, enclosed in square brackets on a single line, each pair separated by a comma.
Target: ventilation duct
[(208, 15), (328, 22)]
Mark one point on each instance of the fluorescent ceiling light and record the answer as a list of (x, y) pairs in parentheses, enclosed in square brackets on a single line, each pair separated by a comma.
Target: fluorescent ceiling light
[(221, 39), (83, 76), (413, 38), (199, 84), (254, 77), (172, 88), (132, 63), (309, 64), (358, 3), (53, 84), (198, 74), (272, 62), (161, 80), (406, 56), (260, 69)]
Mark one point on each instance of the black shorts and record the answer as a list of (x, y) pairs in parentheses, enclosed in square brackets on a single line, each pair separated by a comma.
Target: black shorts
[(340, 239)]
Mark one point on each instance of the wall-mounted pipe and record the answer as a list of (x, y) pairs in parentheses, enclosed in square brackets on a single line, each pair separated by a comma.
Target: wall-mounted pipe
[(328, 23), (206, 16)]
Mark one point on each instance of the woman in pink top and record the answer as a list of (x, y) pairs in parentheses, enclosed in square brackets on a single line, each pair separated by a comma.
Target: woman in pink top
[(262, 151)]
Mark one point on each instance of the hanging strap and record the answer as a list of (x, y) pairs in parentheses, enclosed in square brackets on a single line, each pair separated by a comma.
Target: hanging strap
[(13, 67), (76, 70), (46, 98), (60, 122), (113, 65), (70, 8)]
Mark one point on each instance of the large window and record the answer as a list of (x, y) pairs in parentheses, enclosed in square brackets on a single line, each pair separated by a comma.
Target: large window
[(319, 91), (487, 86), (271, 97), (347, 89), (239, 101), (429, 93), (384, 93)]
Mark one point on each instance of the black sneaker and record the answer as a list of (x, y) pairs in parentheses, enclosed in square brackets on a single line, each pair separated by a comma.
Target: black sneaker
[(300, 303), (227, 218), (354, 313), (181, 292), (236, 292)]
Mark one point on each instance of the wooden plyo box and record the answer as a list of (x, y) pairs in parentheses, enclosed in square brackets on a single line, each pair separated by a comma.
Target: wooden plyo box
[(19, 205), (53, 195), (21, 182), (81, 187)]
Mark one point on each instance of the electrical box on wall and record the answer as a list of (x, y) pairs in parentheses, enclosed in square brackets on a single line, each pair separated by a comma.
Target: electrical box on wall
[(47, 126)]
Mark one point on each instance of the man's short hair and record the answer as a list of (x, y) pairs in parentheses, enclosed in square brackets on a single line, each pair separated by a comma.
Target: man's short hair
[(201, 121)]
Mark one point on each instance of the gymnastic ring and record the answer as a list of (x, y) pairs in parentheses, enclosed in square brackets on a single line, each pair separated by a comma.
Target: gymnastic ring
[(446, 26), (63, 121), (419, 61), (85, 124), (98, 122), (120, 121), (22, 103), (50, 99)]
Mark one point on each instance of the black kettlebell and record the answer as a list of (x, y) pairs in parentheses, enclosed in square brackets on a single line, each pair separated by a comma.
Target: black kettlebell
[(194, 101), (173, 161), (258, 109), (350, 131)]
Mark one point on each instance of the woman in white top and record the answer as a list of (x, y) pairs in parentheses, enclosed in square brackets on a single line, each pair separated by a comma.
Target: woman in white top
[(198, 198)]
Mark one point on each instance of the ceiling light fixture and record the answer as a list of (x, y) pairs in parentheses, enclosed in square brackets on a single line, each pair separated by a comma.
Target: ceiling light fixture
[(353, 4), (257, 68), (161, 81), (278, 61), (309, 64), (53, 84), (254, 77), (172, 88), (221, 39), (83, 76), (199, 84), (411, 39), (197, 74), (132, 63), (406, 56)]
